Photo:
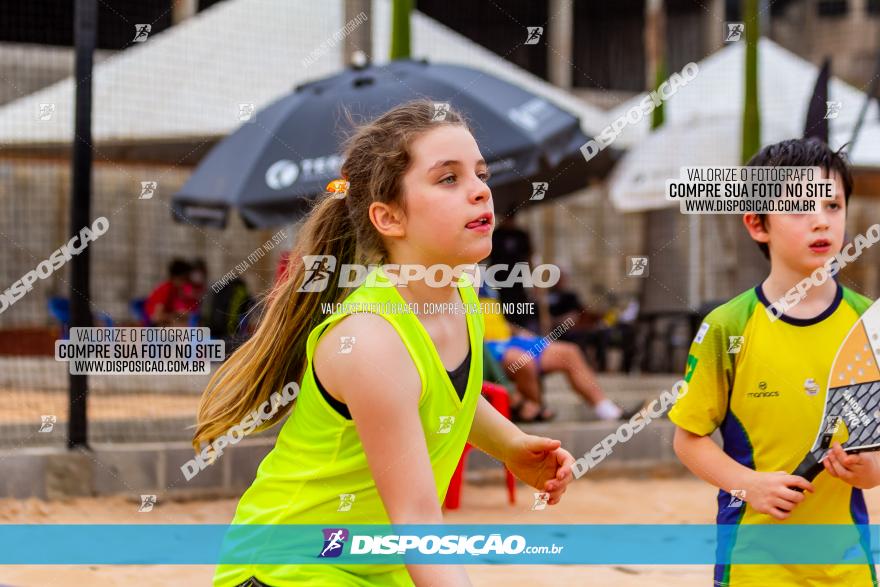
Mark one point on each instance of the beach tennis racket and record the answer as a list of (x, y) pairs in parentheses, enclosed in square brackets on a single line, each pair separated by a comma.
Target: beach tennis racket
[(853, 399)]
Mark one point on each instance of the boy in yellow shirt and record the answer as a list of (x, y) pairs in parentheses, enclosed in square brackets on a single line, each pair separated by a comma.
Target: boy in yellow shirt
[(762, 383)]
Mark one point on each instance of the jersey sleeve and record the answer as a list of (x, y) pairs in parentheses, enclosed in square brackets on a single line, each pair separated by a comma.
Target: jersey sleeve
[(857, 301), (709, 375)]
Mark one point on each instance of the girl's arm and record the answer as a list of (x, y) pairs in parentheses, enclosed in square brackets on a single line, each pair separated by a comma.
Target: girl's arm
[(767, 492), (539, 461), (381, 386), (492, 433)]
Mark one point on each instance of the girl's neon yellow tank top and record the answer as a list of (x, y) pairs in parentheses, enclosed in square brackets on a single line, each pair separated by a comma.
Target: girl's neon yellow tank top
[(317, 473)]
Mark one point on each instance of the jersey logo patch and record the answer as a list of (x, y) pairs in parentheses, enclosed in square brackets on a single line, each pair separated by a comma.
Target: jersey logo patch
[(811, 387), (701, 333), (763, 393), (691, 367), (446, 423)]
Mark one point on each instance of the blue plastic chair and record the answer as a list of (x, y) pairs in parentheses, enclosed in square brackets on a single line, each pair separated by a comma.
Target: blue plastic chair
[(59, 308), (138, 309)]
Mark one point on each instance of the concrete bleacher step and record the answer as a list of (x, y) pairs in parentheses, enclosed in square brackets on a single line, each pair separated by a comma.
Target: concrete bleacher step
[(626, 391), (617, 384), (171, 429), (51, 472)]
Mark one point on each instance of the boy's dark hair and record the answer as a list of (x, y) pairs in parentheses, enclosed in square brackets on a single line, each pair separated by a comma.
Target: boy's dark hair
[(810, 152), (178, 268)]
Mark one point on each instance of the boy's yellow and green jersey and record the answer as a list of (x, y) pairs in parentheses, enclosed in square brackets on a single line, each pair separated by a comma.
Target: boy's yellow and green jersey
[(317, 473), (762, 383)]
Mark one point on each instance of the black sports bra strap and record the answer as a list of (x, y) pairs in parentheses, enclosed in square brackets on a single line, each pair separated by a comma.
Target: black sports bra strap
[(458, 376)]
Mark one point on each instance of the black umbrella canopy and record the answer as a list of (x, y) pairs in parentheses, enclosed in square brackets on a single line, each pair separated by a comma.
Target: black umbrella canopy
[(273, 166)]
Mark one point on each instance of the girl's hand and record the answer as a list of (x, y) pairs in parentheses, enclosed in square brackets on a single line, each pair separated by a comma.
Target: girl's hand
[(542, 463), (859, 470)]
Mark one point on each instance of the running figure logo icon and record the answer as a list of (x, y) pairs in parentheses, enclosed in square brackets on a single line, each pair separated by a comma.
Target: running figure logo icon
[(735, 344), (539, 190), (346, 344), (446, 423), (148, 189), (346, 500), (334, 540), (46, 111), (318, 270), (147, 503), (534, 34), (737, 497), (735, 31), (637, 267), (48, 423), (246, 112), (441, 109), (141, 32), (541, 500), (832, 109)]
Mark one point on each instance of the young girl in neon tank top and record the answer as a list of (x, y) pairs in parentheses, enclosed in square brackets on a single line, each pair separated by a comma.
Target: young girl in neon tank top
[(415, 186)]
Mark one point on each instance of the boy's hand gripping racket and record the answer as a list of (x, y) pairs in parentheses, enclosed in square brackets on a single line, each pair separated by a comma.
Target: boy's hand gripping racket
[(853, 397)]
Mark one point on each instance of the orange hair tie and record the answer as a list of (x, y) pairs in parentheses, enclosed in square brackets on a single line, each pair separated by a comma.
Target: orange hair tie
[(338, 188)]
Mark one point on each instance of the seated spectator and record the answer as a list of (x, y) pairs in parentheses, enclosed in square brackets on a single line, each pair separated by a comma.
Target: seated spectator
[(225, 313), (526, 356), (592, 330), (167, 305), (194, 289), (512, 245)]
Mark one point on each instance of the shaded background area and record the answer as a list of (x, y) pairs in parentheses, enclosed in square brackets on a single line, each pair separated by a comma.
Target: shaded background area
[(161, 105)]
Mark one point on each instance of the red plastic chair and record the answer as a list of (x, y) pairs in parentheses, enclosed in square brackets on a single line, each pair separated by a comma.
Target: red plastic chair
[(497, 396)]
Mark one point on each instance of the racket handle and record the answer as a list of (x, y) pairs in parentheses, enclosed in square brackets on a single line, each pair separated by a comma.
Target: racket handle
[(808, 469)]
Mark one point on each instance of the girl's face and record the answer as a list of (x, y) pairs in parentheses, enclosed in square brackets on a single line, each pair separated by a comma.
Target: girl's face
[(449, 212)]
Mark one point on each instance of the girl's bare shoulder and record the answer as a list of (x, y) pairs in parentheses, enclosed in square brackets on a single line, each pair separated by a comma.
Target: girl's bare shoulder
[(359, 346)]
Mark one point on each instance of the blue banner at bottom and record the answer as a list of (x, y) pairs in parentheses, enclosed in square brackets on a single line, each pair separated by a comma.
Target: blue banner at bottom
[(576, 544)]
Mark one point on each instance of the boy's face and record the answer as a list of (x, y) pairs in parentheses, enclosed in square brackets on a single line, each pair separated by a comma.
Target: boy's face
[(803, 242)]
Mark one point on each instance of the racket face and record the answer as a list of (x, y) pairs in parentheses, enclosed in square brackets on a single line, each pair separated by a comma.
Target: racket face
[(853, 399)]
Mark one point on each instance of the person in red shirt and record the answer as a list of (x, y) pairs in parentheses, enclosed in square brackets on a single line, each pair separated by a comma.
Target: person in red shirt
[(194, 288), (168, 305)]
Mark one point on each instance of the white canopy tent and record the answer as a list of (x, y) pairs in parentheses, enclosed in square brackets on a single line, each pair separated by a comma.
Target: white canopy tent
[(703, 127), (703, 122), (187, 83)]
